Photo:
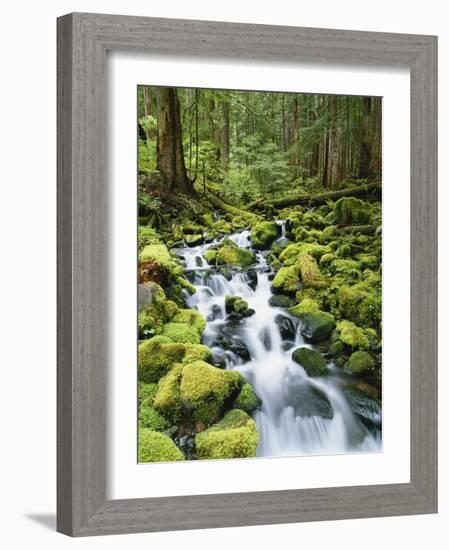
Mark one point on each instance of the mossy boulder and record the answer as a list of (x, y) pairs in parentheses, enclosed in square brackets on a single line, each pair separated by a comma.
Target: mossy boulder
[(182, 332), (360, 362), (247, 400), (157, 356), (317, 326), (147, 393), (309, 272), (150, 418), (190, 317), (308, 305), (210, 256), (286, 280), (352, 335), (168, 397), (280, 300), (290, 255), (157, 311), (157, 447), (349, 269), (360, 303), (264, 233), (236, 307), (194, 239), (232, 255), (235, 436), (352, 211), (204, 389), (311, 361), (344, 250)]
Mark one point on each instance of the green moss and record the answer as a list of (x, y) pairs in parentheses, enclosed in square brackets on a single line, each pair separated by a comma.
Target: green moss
[(147, 393), (231, 254), (309, 271), (235, 304), (235, 436), (168, 397), (313, 219), (328, 233), (286, 280), (157, 253), (208, 219), (312, 362), (210, 256), (290, 255), (304, 307), (352, 335), (368, 261), (190, 317), (317, 326), (350, 269), (361, 304), (184, 283), (352, 211), (204, 389), (360, 362), (182, 332), (158, 355), (264, 233), (157, 447), (150, 418), (222, 227), (327, 259), (247, 399), (194, 239), (344, 250)]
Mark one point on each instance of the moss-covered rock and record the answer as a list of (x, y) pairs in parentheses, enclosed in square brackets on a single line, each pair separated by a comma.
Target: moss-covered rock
[(159, 354), (349, 269), (360, 303), (264, 233), (360, 362), (235, 436), (352, 335), (290, 255), (182, 332), (152, 317), (311, 361), (194, 239), (344, 250), (286, 280), (309, 272), (168, 397), (232, 255), (280, 300), (190, 317), (210, 256), (247, 399), (237, 306), (352, 211), (308, 305), (147, 393), (204, 389), (157, 447), (317, 326), (327, 259), (150, 418)]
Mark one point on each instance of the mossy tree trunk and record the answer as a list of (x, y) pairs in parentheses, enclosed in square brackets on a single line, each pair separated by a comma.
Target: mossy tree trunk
[(170, 153)]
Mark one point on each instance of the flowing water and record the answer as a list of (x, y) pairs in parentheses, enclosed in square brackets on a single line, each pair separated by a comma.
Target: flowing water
[(299, 415)]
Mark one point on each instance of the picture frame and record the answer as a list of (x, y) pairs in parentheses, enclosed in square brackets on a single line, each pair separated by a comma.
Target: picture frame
[(83, 40)]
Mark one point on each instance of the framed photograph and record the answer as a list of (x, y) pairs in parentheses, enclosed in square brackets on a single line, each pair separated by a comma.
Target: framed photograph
[(247, 278)]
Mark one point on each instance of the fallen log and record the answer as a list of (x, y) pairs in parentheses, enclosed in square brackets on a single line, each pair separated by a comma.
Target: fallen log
[(227, 207), (364, 229), (321, 198)]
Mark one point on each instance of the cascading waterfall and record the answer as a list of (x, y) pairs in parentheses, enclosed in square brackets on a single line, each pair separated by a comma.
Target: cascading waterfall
[(299, 415)]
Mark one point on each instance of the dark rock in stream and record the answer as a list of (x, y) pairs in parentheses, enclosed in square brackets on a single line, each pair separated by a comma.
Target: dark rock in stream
[(253, 279), (307, 400), (369, 410), (265, 338), (187, 445), (199, 261), (227, 274), (215, 313), (232, 344), (219, 358), (287, 327)]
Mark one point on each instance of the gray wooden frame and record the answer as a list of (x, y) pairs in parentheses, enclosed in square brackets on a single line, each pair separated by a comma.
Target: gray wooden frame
[(83, 40)]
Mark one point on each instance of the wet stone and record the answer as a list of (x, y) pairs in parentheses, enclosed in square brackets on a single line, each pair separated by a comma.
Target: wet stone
[(307, 400), (287, 327)]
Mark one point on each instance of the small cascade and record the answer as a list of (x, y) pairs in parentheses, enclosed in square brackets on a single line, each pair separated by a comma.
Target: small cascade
[(299, 415)]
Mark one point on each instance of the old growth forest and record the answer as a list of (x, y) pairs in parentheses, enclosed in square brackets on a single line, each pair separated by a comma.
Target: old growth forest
[(259, 274)]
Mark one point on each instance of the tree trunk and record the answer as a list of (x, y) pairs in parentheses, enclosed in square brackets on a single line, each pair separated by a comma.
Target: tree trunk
[(148, 111), (170, 154), (365, 142), (226, 133), (376, 138), (296, 160), (334, 146)]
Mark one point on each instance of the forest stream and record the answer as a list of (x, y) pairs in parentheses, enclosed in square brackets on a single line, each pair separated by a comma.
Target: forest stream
[(299, 414)]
